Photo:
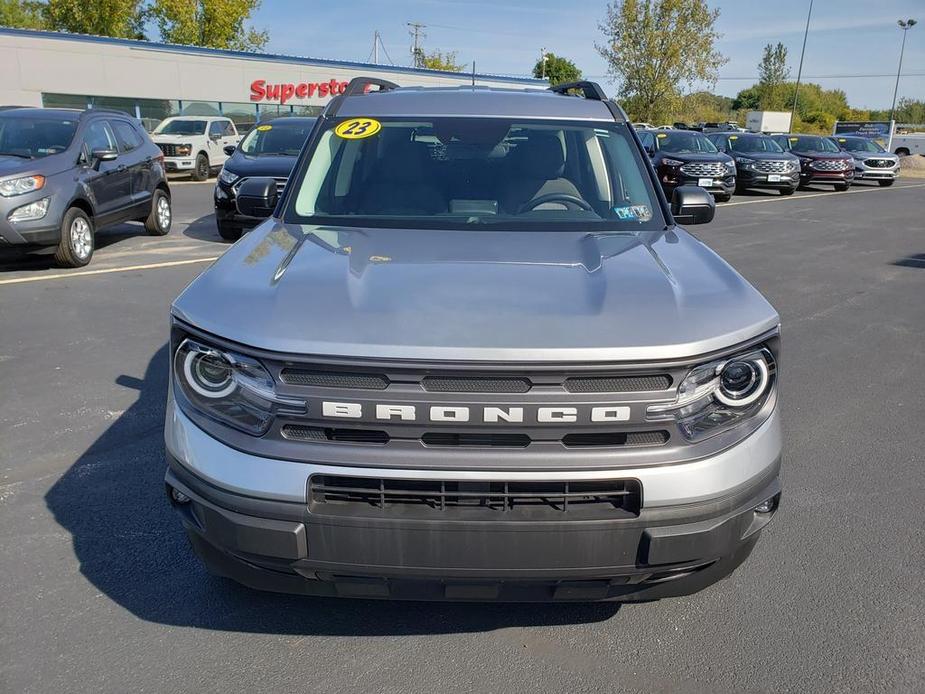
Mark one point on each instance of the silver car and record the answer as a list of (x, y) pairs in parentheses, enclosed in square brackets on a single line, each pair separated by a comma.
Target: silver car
[(471, 355), (871, 161)]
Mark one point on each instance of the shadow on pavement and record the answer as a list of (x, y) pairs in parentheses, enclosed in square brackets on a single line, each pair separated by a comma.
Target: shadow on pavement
[(204, 229), (916, 260), (132, 549)]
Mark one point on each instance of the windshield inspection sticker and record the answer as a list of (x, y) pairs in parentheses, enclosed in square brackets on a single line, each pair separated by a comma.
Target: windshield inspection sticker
[(357, 128), (633, 213)]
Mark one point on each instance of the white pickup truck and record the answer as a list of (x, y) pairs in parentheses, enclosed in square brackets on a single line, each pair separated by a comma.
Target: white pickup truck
[(195, 143), (904, 145)]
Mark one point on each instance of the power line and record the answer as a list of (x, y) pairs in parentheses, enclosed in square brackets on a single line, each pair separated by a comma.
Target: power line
[(417, 53)]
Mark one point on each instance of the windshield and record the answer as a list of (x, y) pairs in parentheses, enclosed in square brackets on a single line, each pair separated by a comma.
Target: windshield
[(460, 172), (30, 138), (859, 144), (811, 143), (280, 138), (753, 143), (684, 142), (182, 127)]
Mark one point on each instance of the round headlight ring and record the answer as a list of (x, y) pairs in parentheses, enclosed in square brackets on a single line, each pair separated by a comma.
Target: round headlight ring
[(742, 381), (208, 373)]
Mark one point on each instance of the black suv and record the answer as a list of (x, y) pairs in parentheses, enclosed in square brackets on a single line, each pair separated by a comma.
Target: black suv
[(760, 162), (269, 150), (66, 173), (685, 157)]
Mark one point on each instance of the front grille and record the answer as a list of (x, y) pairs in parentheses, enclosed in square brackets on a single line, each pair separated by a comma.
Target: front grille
[(829, 165), (616, 438), (280, 184), (488, 500), (879, 163), (704, 168), (773, 166), (297, 432), (464, 384), (486, 440), (169, 150), (617, 384), (333, 379)]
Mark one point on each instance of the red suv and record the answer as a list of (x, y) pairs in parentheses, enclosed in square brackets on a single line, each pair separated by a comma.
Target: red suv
[(820, 160)]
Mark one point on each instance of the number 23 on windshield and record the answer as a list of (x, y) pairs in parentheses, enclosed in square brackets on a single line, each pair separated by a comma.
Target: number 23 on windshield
[(357, 128)]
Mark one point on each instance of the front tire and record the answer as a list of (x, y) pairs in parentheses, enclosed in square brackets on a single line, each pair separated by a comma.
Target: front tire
[(842, 187), (228, 232), (722, 197), (885, 183), (75, 249), (201, 170), (787, 191), (161, 215)]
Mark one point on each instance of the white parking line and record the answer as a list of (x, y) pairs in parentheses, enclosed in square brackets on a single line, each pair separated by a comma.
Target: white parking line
[(785, 198), (106, 271)]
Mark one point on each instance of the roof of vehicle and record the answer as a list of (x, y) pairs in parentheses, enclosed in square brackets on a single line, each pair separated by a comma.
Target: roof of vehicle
[(473, 102), (739, 133), (31, 112), (192, 117), (292, 120)]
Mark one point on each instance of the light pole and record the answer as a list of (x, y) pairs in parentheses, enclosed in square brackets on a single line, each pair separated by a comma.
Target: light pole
[(796, 88), (905, 25)]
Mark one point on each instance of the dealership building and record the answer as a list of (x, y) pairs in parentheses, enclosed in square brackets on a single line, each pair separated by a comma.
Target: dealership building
[(152, 81)]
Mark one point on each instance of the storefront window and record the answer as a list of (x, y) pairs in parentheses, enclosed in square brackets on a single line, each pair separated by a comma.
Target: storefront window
[(65, 101), (307, 111), (114, 103), (153, 111), (273, 110), (243, 115), (200, 108)]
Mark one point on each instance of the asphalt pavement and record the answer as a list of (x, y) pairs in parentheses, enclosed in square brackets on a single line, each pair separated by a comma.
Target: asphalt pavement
[(100, 592)]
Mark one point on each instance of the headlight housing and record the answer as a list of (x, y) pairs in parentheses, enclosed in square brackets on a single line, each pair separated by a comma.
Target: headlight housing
[(20, 186), (721, 394), (730, 165), (672, 162), (745, 161), (184, 150), (226, 386), (227, 177), (30, 212)]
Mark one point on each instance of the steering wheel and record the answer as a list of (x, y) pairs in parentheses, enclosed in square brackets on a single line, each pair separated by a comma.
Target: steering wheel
[(570, 201)]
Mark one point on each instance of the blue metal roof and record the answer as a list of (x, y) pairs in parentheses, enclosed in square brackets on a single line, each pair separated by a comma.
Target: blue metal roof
[(269, 57)]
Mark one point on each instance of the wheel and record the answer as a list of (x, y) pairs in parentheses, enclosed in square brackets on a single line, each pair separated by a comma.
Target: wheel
[(201, 171), (158, 220), (787, 191), (722, 197), (903, 152), (842, 187), (76, 245), (885, 182), (228, 232)]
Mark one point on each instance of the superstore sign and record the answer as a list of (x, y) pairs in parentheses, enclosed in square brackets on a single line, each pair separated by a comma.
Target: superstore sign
[(280, 93)]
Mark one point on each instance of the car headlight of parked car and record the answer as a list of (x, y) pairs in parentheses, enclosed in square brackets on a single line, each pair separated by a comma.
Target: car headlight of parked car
[(721, 394), (730, 166), (227, 177), (226, 386), (20, 186), (184, 150), (672, 162), (745, 162)]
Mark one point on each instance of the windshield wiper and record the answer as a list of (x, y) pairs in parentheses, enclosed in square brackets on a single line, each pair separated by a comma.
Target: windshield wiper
[(16, 154)]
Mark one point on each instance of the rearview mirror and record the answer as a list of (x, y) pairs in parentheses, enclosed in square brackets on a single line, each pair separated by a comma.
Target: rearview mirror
[(257, 197), (229, 149), (692, 205), (101, 155)]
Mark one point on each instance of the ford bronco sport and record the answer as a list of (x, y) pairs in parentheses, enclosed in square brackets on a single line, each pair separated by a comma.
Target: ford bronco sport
[(471, 355)]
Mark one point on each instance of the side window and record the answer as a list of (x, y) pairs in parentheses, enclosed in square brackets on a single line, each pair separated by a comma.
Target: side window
[(646, 140), (98, 136), (217, 128), (229, 129), (128, 137)]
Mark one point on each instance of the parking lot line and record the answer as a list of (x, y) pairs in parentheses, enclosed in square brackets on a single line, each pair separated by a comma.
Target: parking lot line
[(106, 271), (784, 198)]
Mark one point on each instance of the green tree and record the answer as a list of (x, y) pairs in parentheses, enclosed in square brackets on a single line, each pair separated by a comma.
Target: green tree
[(655, 47), (747, 100), (438, 60), (212, 23), (909, 111), (558, 70), (772, 73), (118, 18), (21, 14)]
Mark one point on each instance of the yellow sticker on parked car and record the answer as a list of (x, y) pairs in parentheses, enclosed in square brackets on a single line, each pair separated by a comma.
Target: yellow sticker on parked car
[(662, 135), (733, 137), (357, 128), (264, 128)]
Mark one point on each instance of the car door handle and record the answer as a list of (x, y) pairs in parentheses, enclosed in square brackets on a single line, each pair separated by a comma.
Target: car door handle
[(120, 167)]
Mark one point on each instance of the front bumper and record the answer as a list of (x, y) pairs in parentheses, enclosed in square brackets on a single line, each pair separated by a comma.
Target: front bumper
[(226, 210), (180, 163), (746, 178), (31, 234), (871, 173), (724, 185), (250, 519), (808, 176)]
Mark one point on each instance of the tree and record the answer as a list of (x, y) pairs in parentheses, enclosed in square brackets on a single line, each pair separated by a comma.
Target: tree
[(21, 14), (558, 70), (747, 100), (772, 73), (212, 23), (654, 47), (438, 60), (118, 18)]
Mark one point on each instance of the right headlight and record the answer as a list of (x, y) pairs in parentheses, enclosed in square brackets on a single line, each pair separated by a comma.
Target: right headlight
[(721, 394), (227, 177), (667, 161)]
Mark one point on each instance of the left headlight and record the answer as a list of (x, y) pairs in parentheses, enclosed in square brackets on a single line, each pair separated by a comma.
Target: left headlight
[(227, 177), (229, 387), (19, 186), (720, 395)]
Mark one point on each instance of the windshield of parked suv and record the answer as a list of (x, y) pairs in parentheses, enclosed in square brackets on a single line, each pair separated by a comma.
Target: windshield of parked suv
[(30, 138), (859, 144), (182, 127), (753, 143), (277, 139), (811, 143), (684, 142), (461, 172)]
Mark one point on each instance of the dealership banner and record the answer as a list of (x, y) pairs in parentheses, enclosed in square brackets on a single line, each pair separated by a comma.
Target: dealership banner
[(881, 130)]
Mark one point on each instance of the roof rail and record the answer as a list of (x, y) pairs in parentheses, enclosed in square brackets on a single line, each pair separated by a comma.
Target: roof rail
[(358, 85), (589, 90)]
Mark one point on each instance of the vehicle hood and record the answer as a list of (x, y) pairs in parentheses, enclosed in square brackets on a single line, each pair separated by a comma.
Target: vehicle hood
[(47, 166), (274, 166), (168, 139), (475, 295), (13, 165), (764, 156), (860, 154), (812, 154), (691, 156)]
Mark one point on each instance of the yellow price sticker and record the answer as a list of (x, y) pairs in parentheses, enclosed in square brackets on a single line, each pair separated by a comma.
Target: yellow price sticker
[(841, 139), (794, 139), (264, 128), (733, 137), (357, 128), (662, 135)]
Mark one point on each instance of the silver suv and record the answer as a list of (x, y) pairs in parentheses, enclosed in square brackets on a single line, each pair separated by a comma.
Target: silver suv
[(471, 355)]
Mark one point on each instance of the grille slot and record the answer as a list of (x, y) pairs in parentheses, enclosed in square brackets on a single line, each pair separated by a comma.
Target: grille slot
[(297, 432), (280, 184), (336, 495), (704, 168), (486, 440), (829, 165), (617, 384), (616, 438), (333, 379), (468, 384), (169, 150), (879, 163), (774, 166)]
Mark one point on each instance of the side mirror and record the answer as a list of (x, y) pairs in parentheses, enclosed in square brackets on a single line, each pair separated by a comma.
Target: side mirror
[(215, 137), (257, 197), (100, 155), (229, 149), (692, 205)]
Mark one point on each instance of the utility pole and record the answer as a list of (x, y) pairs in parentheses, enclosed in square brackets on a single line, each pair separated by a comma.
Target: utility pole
[(543, 61), (905, 26), (375, 48), (417, 53), (796, 88)]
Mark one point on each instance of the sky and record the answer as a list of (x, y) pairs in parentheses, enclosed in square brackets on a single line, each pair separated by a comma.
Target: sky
[(853, 45)]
